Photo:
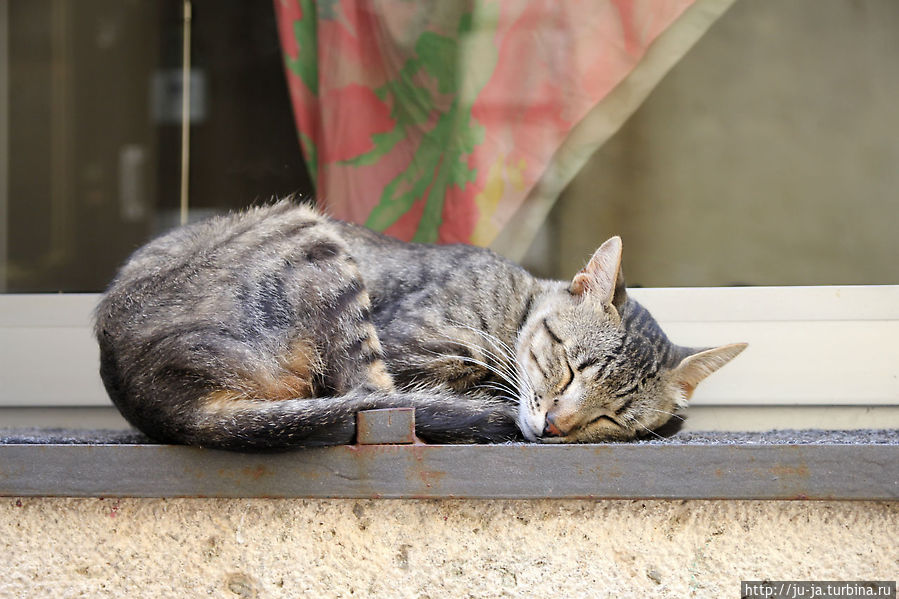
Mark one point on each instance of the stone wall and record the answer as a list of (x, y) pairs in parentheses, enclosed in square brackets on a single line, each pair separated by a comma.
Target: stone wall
[(54, 547)]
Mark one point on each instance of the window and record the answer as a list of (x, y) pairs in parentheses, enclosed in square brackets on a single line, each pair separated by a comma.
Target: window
[(766, 157), (93, 130)]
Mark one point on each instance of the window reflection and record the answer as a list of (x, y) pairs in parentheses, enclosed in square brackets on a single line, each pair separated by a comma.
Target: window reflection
[(768, 156)]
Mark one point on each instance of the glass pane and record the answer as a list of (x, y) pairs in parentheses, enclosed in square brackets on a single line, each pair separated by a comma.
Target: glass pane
[(94, 108), (768, 156)]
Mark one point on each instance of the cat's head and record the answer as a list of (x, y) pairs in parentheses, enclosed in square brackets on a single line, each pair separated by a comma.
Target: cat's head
[(596, 366)]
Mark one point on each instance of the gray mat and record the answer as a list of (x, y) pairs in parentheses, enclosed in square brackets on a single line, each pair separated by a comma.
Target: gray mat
[(44, 436)]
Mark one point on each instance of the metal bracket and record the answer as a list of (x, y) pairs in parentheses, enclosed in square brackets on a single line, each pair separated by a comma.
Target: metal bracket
[(386, 426)]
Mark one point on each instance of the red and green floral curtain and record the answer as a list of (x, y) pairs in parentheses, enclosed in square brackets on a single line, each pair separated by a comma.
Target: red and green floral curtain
[(435, 121)]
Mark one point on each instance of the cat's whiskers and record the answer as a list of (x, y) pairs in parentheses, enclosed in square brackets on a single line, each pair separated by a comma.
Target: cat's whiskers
[(506, 397), (502, 350), (502, 375), (497, 387), (493, 339), (672, 414), (504, 362), (634, 420), (502, 359)]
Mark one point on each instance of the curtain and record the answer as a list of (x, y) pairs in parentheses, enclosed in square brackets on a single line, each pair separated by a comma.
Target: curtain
[(442, 121)]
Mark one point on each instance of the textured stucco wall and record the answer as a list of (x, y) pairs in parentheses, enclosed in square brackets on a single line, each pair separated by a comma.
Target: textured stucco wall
[(430, 549)]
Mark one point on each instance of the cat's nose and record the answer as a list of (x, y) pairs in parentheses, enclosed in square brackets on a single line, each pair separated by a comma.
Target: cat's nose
[(550, 429)]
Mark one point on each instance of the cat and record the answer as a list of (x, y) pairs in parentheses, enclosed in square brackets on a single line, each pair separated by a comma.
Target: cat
[(269, 329)]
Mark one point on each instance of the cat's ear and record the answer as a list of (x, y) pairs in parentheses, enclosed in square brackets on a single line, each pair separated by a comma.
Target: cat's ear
[(696, 367), (602, 278)]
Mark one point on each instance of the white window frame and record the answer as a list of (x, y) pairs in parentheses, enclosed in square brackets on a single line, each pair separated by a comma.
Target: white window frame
[(808, 346)]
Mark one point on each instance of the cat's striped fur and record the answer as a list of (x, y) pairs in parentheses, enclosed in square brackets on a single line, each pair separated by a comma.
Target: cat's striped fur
[(273, 327)]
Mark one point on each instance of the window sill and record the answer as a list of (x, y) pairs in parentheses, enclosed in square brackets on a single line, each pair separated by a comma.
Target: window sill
[(835, 465)]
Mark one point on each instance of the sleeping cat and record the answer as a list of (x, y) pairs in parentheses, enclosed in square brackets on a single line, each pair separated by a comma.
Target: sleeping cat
[(271, 328)]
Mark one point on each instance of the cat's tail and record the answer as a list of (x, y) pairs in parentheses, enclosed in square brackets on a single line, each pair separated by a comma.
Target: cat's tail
[(259, 425)]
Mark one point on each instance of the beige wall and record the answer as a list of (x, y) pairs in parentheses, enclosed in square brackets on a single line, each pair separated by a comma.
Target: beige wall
[(430, 549), (768, 156)]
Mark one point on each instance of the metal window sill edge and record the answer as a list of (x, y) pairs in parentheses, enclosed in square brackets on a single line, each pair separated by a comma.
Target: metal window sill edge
[(509, 471)]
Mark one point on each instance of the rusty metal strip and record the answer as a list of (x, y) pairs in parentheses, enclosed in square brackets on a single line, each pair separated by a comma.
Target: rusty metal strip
[(389, 425), (443, 471)]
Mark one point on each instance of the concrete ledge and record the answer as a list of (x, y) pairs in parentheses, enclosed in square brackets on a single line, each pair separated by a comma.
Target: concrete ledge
[(613, 471)]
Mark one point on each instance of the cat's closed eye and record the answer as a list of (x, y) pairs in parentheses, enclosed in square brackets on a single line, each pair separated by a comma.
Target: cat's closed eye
[(587, 362), (604, 417)]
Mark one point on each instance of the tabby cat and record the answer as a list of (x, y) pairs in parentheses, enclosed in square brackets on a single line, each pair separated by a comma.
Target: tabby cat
[(271, 328)]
